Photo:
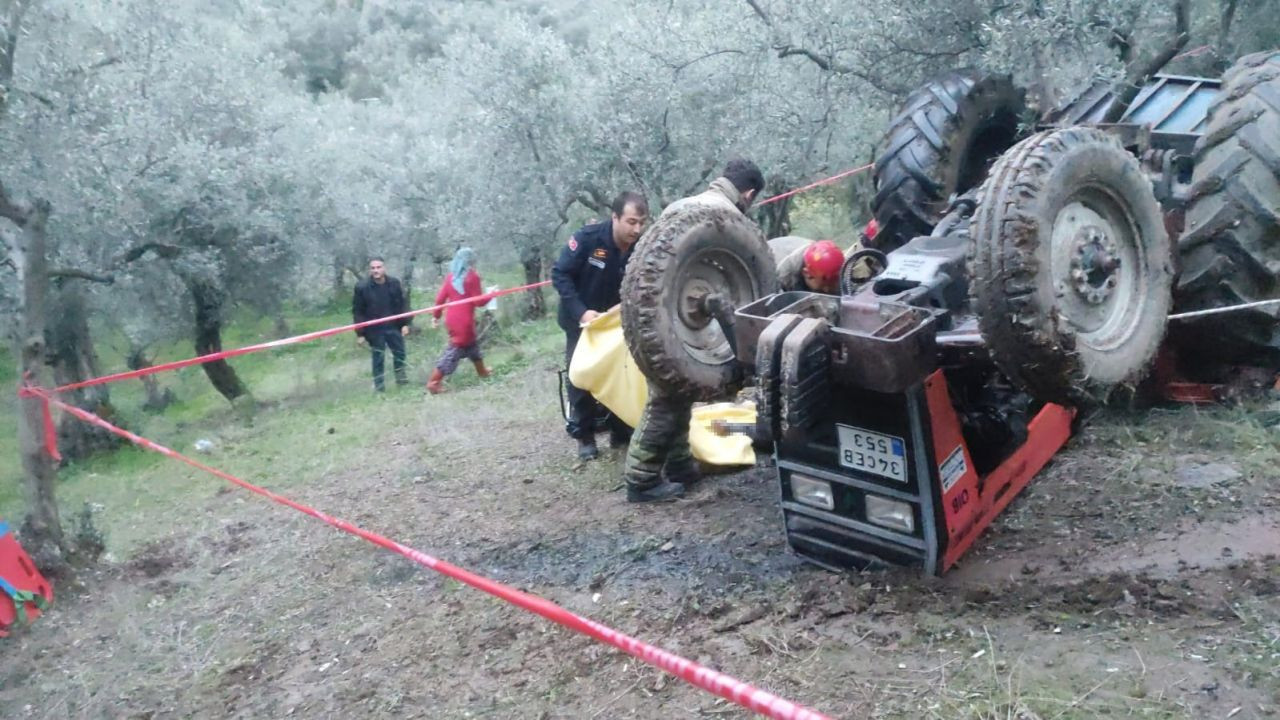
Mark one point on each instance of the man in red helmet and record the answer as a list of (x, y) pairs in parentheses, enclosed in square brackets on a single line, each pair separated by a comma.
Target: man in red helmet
[(807, 265)]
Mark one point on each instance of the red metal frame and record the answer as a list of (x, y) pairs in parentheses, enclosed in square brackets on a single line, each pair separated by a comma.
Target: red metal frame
[(972, 502), (1175, 388)]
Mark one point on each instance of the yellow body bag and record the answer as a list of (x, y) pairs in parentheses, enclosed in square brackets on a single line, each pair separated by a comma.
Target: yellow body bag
[(603, 366)]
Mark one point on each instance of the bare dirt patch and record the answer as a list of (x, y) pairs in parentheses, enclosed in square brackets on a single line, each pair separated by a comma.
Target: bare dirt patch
[(1106, 590)]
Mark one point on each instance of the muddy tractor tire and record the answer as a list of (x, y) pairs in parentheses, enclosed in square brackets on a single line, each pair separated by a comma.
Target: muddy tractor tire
[(1230, 249), (675, 265), (1071, 267), (941, 143)]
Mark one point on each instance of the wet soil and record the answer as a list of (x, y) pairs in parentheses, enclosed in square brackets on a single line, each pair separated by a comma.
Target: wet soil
[(1137, 576)]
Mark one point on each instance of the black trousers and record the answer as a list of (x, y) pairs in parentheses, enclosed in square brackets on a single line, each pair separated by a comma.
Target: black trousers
[(382, 338), (584, 410)]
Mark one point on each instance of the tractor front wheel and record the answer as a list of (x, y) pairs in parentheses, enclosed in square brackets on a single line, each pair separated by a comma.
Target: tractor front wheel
[(1072, 269)]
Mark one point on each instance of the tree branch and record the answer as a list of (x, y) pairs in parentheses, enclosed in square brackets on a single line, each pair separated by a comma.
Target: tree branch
[(676, 68), (542, 174), (760, 12), (786, 51), (9, 40), (1139, 74), (72, 273), (85, 69), (168, 252), (1227, 17), (929, 54), (43, 100)]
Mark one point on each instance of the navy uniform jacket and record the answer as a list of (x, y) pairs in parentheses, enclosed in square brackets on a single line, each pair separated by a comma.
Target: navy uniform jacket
[(588, 274)]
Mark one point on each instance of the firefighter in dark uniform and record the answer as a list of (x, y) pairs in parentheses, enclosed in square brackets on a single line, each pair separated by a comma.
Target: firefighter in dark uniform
[(588, 277)]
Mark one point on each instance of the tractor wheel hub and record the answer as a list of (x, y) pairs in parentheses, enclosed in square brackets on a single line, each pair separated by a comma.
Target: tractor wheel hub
[(1094, 264)]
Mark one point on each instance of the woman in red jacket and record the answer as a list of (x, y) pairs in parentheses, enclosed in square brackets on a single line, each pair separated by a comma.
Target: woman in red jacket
[(462, 282)]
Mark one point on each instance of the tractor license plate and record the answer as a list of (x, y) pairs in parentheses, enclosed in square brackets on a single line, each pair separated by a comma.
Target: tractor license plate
[(874, 453)]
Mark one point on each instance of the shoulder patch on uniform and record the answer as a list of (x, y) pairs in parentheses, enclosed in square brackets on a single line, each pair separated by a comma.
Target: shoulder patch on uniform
[(573, 243), (600, 253)]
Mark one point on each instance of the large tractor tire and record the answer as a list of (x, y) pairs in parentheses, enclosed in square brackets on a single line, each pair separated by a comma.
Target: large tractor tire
[(1071, 266), (1230, 250), (941, 143), (675, 265)]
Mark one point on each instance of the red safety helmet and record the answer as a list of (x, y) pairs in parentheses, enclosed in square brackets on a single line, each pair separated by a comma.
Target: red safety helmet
[(823, 260)]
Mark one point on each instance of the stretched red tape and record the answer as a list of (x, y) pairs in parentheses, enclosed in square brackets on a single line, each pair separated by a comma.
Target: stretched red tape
[(306, 337), (825, 181), (736, 691)]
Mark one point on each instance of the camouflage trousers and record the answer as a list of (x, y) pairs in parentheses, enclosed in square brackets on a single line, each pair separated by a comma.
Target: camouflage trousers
[(661, 439)]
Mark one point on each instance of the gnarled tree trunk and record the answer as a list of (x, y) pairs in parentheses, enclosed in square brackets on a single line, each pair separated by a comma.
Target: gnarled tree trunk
[(158, 396), (531, 260), (406, 278), (775, 219), (209, 300), (74, 359), (41, 526)]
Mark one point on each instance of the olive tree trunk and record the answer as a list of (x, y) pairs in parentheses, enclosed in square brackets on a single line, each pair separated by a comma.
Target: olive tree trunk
[(74, 360), (158, 396), (531, 260), (208, 300), (41, 525)]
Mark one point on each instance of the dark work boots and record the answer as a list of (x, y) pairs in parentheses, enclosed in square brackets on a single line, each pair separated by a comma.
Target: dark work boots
[(664, 492)]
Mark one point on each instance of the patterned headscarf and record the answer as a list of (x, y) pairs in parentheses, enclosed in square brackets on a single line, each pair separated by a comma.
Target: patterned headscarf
[(463, 260)]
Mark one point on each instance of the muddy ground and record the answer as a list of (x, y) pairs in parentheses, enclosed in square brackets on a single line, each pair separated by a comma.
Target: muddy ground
[(1136, 577)]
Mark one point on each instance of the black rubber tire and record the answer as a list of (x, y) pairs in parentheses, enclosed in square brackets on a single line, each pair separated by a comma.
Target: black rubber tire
[(941, 143), (1020, 264), (1230, 250), (656, 333)]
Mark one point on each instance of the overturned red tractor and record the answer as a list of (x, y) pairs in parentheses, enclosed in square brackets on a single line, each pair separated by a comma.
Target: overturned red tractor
[(1020, 275)]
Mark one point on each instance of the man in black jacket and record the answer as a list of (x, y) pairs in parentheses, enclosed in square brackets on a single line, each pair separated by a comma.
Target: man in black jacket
[(588, 277), (377, 296)]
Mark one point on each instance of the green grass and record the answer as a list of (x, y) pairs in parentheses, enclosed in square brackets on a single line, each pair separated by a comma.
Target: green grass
[(11, 466), (1241, 433), (315, 404)]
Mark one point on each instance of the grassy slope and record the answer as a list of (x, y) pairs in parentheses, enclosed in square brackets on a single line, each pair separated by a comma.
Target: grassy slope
[(317, 413)]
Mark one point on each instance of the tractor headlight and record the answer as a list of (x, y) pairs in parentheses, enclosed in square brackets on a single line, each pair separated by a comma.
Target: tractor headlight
[(890, 513), (812, 491)]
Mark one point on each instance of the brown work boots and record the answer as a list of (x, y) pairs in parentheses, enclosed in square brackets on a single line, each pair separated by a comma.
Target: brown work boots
[(435, 385)]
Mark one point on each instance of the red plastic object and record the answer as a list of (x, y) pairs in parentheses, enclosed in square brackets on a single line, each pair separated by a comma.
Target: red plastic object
[(17, 570)]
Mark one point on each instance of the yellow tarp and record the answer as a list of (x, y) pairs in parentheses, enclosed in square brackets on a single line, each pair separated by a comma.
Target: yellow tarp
[(602, 366)]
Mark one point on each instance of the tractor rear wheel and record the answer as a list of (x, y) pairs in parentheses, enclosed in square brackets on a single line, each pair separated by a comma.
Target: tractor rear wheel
[(1072, 267), (941, 143), (676, 264), (1230, 251)]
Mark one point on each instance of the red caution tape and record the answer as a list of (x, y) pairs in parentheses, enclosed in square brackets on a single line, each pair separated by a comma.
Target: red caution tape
[(50, 433), (736, 691), (307, 337), (820, 183), (28, 390)]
